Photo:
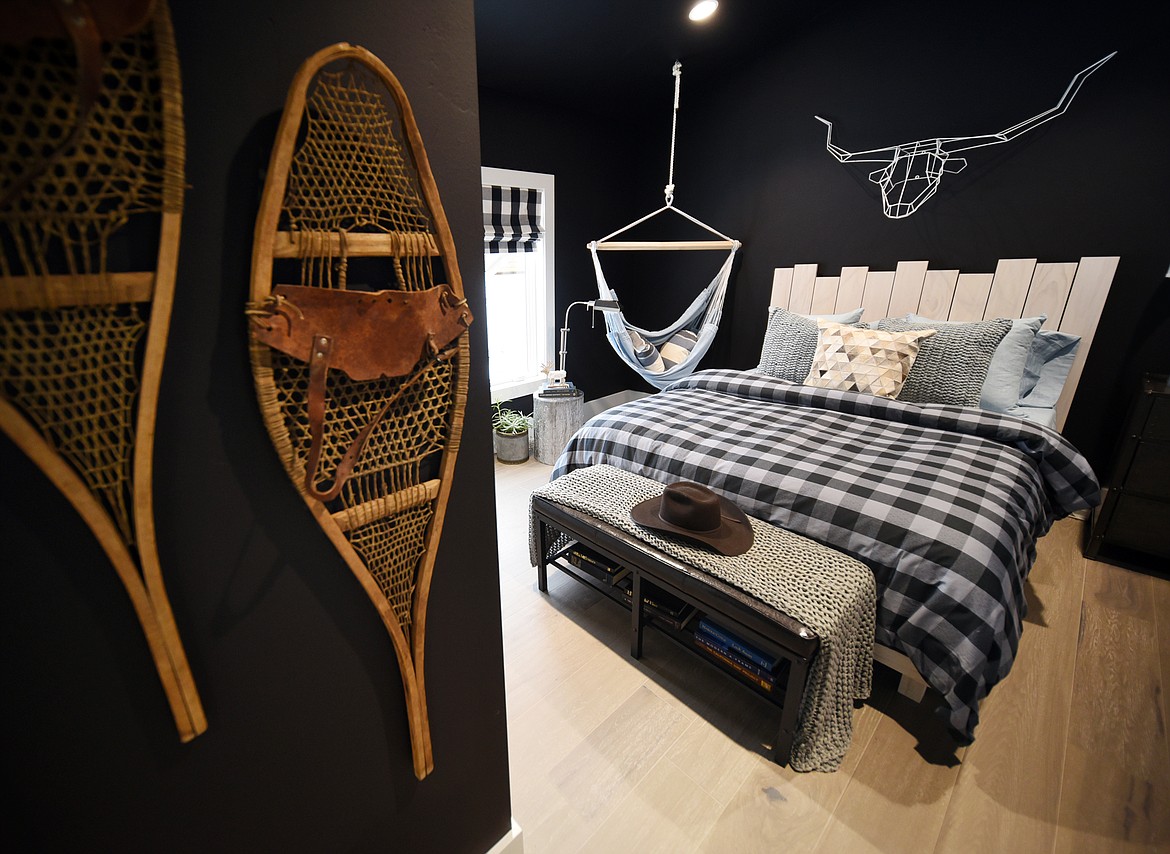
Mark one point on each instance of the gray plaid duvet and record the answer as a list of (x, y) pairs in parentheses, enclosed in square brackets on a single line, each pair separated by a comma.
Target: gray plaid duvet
[(944, 503)]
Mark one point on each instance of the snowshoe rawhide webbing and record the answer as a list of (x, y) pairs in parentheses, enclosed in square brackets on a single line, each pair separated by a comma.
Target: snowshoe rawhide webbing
[(87, 174), (359, 338)]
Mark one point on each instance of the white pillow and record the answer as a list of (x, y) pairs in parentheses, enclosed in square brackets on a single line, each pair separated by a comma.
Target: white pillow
[(870, 361)]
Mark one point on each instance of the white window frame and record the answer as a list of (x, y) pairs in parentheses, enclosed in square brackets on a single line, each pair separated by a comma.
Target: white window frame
[(545, 302)]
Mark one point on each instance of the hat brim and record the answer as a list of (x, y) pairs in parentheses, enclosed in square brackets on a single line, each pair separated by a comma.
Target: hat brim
[(734, 536)]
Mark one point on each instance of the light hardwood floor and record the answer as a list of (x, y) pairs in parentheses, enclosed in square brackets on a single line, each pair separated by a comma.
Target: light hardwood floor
[(666, 754)]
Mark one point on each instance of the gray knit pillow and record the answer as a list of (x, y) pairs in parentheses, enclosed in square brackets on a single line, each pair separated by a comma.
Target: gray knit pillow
[(952, 364), (790, 342)]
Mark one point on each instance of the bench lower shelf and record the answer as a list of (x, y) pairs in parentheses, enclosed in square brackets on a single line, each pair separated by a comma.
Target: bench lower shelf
[(649, 574)]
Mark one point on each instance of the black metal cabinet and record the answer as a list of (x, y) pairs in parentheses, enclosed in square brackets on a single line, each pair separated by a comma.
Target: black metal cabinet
[(1132, 524)]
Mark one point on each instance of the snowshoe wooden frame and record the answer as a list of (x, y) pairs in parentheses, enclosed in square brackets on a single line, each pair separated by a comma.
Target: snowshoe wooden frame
[(344, 189), (78, 390)]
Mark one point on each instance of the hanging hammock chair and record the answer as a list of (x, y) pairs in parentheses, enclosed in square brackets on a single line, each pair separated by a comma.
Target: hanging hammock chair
[(662, 356)]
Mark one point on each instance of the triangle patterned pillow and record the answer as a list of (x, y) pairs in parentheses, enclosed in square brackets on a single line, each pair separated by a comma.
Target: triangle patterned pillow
[(870, 361)]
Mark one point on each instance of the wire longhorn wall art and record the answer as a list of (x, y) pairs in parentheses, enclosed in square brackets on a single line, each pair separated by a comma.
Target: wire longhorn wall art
[(913, 171)]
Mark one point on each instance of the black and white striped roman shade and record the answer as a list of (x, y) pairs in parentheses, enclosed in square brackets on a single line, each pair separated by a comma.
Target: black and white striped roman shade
[(511, 218)]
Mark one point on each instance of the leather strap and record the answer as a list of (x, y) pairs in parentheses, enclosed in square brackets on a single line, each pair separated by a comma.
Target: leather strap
[(318, 371), (24, 20), (367, 335), (374, 334), (318, 374)]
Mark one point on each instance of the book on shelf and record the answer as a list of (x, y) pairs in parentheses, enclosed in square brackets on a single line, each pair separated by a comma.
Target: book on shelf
[(705, 646), (733, 642), (742, 660), (662, 604), (585, 558)]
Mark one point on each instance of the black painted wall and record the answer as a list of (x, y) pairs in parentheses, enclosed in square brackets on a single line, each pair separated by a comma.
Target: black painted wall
[(751, 160), (307, 747)]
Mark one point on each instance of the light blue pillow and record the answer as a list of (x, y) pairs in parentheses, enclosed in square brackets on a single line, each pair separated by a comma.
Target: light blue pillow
[(1001, 386), (1045, 416), (1048, 366), (843, 317), (790, 342)]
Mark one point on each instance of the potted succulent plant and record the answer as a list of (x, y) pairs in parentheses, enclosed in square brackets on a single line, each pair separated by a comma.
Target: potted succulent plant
[(510, 429)]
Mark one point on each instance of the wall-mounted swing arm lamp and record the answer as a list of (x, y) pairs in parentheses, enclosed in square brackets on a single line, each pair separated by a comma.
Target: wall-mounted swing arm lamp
[(557, 378)]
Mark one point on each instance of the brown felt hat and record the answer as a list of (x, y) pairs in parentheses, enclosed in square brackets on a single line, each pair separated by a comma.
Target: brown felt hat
[(695, 513)]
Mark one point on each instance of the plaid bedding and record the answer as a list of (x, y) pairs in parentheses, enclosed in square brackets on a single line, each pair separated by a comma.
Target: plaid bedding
[(944, 503)]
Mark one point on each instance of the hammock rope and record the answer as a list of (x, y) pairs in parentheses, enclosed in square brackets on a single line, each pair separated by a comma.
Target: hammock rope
[(660, 357), (677, 72)]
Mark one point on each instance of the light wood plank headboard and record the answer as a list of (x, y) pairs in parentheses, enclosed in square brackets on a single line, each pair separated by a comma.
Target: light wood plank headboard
[(1072, 295)]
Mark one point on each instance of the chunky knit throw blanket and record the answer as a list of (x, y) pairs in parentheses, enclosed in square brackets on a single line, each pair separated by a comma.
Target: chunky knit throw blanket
[(828, 591)]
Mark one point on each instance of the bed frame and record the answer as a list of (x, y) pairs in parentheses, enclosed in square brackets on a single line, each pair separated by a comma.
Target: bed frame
[(1072, 294)]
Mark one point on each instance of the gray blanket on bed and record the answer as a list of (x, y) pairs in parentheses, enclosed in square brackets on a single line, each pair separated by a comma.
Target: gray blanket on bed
[(944, 503)]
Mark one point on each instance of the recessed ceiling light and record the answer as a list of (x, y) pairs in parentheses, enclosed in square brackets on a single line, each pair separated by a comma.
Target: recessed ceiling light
[(703, 10)]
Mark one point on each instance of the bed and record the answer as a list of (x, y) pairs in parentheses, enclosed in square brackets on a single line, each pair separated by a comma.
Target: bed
[(944, 501)]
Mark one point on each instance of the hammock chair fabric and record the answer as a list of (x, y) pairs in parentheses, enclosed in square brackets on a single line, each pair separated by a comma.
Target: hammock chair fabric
[(660, 357)]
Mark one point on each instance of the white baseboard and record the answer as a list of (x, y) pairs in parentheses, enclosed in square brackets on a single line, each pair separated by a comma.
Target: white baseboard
[(511, 842)]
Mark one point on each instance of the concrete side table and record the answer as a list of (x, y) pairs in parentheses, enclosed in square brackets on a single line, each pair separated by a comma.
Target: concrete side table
[(555, 419)]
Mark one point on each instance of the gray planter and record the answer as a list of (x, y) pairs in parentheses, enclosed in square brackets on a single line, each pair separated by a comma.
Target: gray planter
[(511, 447)]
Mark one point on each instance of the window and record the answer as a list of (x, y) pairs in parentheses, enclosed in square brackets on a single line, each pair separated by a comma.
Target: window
[(518, 270)]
